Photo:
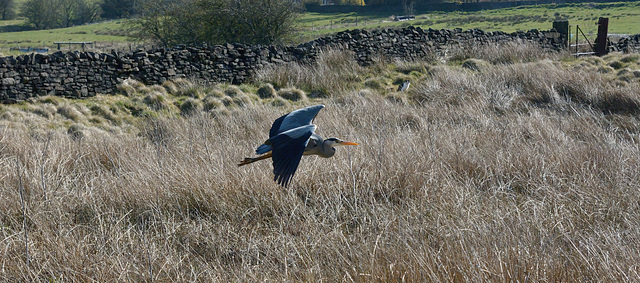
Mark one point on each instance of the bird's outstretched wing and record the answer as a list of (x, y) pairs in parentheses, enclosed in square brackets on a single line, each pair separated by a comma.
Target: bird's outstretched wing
[(288, 148), (294, 119), (289, 121)]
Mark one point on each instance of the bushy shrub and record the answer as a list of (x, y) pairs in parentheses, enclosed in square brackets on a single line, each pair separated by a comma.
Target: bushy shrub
[(215, 21)]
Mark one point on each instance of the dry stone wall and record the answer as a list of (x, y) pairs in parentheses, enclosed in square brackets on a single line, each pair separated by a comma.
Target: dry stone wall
[(629, 44), (82, 74)]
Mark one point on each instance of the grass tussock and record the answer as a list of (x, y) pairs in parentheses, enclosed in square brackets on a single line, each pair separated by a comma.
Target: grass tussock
[(233, 91), (190, 106), (212, 103), (267, 91), (543, 84), (70, 112), (523, 171), (292, 94)]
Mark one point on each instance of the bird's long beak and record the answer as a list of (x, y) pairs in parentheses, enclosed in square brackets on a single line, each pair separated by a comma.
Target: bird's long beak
[(348, 143)]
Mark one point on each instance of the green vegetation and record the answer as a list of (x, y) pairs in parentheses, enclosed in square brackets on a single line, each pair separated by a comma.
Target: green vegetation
[(107, 35), (498, 164), (215, 22), (47, 14), (624, 19)]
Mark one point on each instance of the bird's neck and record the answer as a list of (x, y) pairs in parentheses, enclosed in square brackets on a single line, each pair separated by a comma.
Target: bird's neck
[(327, 150)]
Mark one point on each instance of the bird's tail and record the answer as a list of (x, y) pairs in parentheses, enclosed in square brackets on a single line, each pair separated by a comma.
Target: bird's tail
[(250, 160)]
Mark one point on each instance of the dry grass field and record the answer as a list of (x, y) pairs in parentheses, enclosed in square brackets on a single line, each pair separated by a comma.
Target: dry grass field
[(503, 164)]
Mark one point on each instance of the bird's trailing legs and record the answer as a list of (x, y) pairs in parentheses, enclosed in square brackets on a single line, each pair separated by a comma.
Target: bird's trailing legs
[(249, 160)]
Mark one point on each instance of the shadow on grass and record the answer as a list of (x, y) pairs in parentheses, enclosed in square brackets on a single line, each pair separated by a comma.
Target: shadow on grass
[(15, 28)]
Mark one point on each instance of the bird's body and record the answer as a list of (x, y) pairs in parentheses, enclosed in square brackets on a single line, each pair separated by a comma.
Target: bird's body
[(404, 86), (292, 136)]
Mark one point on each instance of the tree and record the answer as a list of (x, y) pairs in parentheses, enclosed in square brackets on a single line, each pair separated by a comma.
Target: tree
[(408, 6), (7, 9), (260, 21), (37, 13), (85, 12), (172, 22), (46, 14), (116, 9)]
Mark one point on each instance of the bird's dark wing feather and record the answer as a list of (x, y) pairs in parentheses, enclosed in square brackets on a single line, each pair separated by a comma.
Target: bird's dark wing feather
[(275, 128), (297, 118), (264, 148), (288, 148)]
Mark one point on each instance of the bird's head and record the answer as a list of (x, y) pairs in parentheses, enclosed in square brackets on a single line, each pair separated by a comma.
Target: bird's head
[(332, 142)]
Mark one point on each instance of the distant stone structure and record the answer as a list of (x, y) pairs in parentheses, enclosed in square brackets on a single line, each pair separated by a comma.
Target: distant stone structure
[(83, 74)]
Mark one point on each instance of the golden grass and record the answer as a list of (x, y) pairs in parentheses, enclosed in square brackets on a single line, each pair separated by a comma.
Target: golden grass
[(334, 72), (518, 172)]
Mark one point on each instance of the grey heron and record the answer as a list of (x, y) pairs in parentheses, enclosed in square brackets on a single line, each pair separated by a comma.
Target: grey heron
[(404, 86), (292, 136)]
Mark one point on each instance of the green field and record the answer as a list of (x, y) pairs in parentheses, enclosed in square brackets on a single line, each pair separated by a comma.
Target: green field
[(624, 19), (105, 34)]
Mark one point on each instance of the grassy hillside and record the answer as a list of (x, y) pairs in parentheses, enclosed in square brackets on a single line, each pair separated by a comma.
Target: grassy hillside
[(500, 164), (624, 19)]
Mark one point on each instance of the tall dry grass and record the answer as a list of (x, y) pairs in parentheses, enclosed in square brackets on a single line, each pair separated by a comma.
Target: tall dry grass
[(335, 71), (493, 175)]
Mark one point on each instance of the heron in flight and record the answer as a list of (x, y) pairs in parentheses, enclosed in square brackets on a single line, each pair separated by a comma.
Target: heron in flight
[(292, 136)]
